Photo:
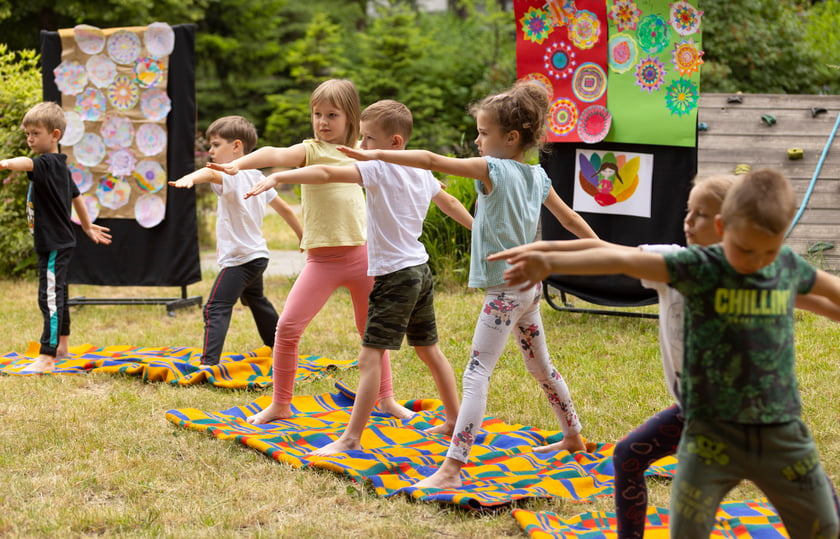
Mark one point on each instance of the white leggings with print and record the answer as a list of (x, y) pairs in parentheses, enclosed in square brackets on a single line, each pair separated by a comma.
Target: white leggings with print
[(505, 310)]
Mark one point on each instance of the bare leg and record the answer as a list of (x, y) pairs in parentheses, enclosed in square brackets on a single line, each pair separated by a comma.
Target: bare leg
[(42, 363), (445, 381), (63, 350), (271, 413), (390, 406), (370, 369), (571, 444), (448, 476)]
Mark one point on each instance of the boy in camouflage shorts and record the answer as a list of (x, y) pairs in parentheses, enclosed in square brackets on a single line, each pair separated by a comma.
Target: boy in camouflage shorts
[(401, 303)]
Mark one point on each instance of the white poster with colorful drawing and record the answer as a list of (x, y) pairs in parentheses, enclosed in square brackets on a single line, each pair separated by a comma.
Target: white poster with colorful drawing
[(613, 182)]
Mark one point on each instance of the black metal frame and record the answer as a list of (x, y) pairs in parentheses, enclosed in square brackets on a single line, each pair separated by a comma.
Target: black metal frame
[(172, 304), (569, 306)]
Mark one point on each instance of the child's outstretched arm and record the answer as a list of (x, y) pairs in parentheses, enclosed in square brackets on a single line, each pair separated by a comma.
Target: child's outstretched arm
[(568, 217), (532, 267), (452, 207), (310, 174), (99, 234), (824, 298), (267, 156), (202, 175), (470, 167), (288, 214), (17, 163), (556, 245)]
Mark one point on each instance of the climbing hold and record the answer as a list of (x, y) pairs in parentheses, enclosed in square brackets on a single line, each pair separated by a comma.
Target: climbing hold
[(735, 99), (795, 153), (819, 247), (769, 119), (742, 169), (816, 111), (702, 126)]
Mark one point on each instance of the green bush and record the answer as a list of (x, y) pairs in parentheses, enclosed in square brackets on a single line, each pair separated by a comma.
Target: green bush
[(20, 89), (447, 242)]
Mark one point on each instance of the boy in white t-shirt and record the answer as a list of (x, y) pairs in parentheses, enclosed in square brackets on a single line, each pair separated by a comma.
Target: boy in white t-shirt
[(402, 299), (242, 250)]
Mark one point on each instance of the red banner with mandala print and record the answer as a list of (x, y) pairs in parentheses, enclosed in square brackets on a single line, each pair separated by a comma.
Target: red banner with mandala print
[(562, 44)]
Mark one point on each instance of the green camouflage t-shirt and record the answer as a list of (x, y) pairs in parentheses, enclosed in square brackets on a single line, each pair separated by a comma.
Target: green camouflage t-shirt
[(739, 351)]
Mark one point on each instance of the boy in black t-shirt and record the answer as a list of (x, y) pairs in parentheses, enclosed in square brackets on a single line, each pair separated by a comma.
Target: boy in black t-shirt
[(51, 192)]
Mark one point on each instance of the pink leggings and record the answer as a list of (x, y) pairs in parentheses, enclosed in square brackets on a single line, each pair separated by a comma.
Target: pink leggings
[(326, 269)]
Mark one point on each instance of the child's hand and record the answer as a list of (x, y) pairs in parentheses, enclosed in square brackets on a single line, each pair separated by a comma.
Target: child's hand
[(513, 252), (186, 182), (269, 182), (4, 164), (228, 168), (529, 268), (358, 155), (99, 234)]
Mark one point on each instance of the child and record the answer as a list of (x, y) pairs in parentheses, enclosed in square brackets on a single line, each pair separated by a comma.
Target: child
[(510, 194), (242, 251), (333, 236), (402, 299), (51, 192), (739, 393)]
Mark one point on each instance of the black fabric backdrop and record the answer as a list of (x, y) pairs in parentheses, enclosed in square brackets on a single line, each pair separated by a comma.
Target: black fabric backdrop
[(167, 254), (673, 170)]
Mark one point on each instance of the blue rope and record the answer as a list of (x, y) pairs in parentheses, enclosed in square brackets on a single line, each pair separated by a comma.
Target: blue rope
[(814, 177)]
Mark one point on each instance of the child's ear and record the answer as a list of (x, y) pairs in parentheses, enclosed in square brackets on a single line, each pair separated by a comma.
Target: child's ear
[(237, 145), (56, 135), (719, 225), (397, 141), (512, 137)]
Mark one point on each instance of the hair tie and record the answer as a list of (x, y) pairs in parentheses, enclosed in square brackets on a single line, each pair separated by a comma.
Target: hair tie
[(526, 125)]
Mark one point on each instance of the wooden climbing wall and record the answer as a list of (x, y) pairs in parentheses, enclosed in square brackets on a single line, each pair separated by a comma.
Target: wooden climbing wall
[(736, 134)]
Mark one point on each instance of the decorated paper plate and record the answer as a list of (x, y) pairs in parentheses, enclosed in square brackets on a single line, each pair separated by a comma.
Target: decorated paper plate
[(117, 131), (121, 162), (101, 70), (584, 29), (124, 46), (89, 38), (151, 139), (113, 192), (74, 130), (685, 18), (70, 77), (148, 72), (150, 176), (90, 104), (123, 93), (562, 116), (149, 210), (155, 104), (160, 39), (623, 52), (594, 124), (540, 79), (82, 177), (92, 207), (590, 82), (653, 34), (90, 150)]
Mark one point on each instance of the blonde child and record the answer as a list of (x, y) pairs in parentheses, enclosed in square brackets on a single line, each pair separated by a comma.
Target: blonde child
[(242, 250), (51, 193), (402, 299), (510, 194), (333, 236), (738, 391)]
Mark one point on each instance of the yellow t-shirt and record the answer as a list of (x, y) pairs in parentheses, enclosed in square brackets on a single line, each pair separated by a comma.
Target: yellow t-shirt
[(333, 213)]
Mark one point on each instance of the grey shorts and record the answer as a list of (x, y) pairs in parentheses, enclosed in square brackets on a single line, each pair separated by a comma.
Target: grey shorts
[(402, 303)]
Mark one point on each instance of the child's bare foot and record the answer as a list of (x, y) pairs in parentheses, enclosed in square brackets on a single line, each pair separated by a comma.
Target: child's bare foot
[(42, 364), (390, 406), (572, 444), (441, 480), (271, 413), (446, 429), (339, 446)]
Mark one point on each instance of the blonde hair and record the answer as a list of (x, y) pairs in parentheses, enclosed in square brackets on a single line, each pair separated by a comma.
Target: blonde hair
[(716, 185), (342, 94), (392, 117), (47, 114), (763, 198), (523, 108), (233, 128)]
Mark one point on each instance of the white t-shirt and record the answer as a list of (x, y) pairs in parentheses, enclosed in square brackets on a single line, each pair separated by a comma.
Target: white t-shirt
[(671, 305), (239, 236), (398, 198)]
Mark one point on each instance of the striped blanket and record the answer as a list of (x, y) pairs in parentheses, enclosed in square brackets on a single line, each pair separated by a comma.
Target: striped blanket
[(398, 453), (173, 364), (738, 519)]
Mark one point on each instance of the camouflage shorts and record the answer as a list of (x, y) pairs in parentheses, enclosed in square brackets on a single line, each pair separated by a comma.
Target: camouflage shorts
[(402, 303)]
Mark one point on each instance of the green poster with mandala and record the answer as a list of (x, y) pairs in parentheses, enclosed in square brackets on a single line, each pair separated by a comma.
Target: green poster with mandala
[(654, 57)]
